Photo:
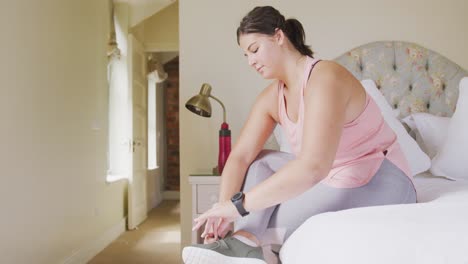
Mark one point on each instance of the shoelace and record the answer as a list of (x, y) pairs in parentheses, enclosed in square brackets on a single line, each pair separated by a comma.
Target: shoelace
[(223, 242)]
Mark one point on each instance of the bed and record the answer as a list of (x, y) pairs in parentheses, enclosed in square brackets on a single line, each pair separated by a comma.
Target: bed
[(412, 79)]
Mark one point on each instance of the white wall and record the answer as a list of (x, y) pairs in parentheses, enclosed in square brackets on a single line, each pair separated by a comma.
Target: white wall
[(53, 112), (209, 53)]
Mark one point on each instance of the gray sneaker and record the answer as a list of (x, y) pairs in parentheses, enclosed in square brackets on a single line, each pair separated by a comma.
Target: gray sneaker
[(228, 250)]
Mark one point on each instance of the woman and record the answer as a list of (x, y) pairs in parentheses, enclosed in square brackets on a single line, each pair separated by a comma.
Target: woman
[(344, 154)]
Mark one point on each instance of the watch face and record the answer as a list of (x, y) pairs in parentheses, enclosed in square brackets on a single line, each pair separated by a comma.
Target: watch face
[(237, 196)]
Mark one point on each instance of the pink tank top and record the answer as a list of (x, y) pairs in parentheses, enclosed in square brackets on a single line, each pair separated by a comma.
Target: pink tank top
[(364, 144)]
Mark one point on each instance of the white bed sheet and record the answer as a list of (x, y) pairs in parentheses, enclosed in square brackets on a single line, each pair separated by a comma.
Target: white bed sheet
[(437, 189), (435, 230)]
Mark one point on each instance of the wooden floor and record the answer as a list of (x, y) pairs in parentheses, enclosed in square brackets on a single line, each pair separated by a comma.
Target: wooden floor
[(156, 241)]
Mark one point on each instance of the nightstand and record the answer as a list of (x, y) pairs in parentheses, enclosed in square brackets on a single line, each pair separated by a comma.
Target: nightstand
[(205, 193)]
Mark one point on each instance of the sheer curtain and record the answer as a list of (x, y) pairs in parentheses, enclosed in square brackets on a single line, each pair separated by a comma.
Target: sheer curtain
[(119, 140), (119, 143)]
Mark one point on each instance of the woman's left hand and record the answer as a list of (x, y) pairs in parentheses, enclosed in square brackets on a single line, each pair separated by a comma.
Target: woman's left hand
[(223, 210)]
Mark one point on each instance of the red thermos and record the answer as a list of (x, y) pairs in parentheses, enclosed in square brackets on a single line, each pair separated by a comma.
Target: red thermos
[(224, 146)]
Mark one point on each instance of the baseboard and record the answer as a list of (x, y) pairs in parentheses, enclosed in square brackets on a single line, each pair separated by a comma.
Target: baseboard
[(88, 251), (171, 195), (157, 199)]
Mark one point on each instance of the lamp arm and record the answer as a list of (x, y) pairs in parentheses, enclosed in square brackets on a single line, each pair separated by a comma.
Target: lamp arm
[(222, 105)]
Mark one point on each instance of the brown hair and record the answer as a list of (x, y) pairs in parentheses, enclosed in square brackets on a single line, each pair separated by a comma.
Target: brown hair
[(266, 19)]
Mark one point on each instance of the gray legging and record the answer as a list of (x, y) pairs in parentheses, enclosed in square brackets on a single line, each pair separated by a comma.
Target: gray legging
[(388, 186)]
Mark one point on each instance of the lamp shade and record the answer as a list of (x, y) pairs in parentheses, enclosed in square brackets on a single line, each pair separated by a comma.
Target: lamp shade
[(200, 103)]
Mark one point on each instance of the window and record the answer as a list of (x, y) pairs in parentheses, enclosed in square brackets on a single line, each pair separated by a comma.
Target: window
[(152, 141), (119, 143)]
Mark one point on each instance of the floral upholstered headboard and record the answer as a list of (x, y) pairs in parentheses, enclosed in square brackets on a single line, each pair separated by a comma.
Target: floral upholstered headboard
[(412, 78)]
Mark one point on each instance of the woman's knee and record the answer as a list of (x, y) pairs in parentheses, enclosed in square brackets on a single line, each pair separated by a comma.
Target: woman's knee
[(265, 164), (260, 161), (258, 169), (274, 159), (264, 153), (267, 159), (269, 156)]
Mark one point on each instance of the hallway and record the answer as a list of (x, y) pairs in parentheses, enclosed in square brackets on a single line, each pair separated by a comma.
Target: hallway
[(156, 241)]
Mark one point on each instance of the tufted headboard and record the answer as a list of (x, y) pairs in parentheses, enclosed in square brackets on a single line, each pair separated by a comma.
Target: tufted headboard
[(412, 78)]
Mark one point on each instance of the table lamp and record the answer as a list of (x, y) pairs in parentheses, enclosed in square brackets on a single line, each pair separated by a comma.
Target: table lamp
[(200, 105)]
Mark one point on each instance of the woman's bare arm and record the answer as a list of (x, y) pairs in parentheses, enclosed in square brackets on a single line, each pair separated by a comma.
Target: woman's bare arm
[(253, 136)]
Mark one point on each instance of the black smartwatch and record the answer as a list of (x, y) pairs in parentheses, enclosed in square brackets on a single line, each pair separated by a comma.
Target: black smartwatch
[(238, 199)]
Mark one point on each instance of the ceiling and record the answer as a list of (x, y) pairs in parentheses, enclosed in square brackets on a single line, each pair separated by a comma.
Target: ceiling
[(136, 2), (142, 9)]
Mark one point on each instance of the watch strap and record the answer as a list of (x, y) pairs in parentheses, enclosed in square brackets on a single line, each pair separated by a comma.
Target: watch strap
[(238, 203)]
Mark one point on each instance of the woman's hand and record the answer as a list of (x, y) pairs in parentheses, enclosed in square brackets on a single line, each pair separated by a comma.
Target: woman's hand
[(218, 220), (223, 228)]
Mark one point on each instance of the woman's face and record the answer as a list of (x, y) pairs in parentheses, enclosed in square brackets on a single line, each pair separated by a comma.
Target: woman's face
[(262, 53)]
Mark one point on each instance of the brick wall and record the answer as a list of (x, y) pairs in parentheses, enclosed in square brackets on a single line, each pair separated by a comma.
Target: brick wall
[(172, 182)]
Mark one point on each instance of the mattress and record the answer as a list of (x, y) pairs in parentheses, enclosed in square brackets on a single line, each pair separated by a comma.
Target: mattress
[(437, 189), (432, 231)]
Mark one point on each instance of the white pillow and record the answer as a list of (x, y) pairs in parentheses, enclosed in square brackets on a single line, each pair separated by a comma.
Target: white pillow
[(452, 160), (431, 131), (417, 159)]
